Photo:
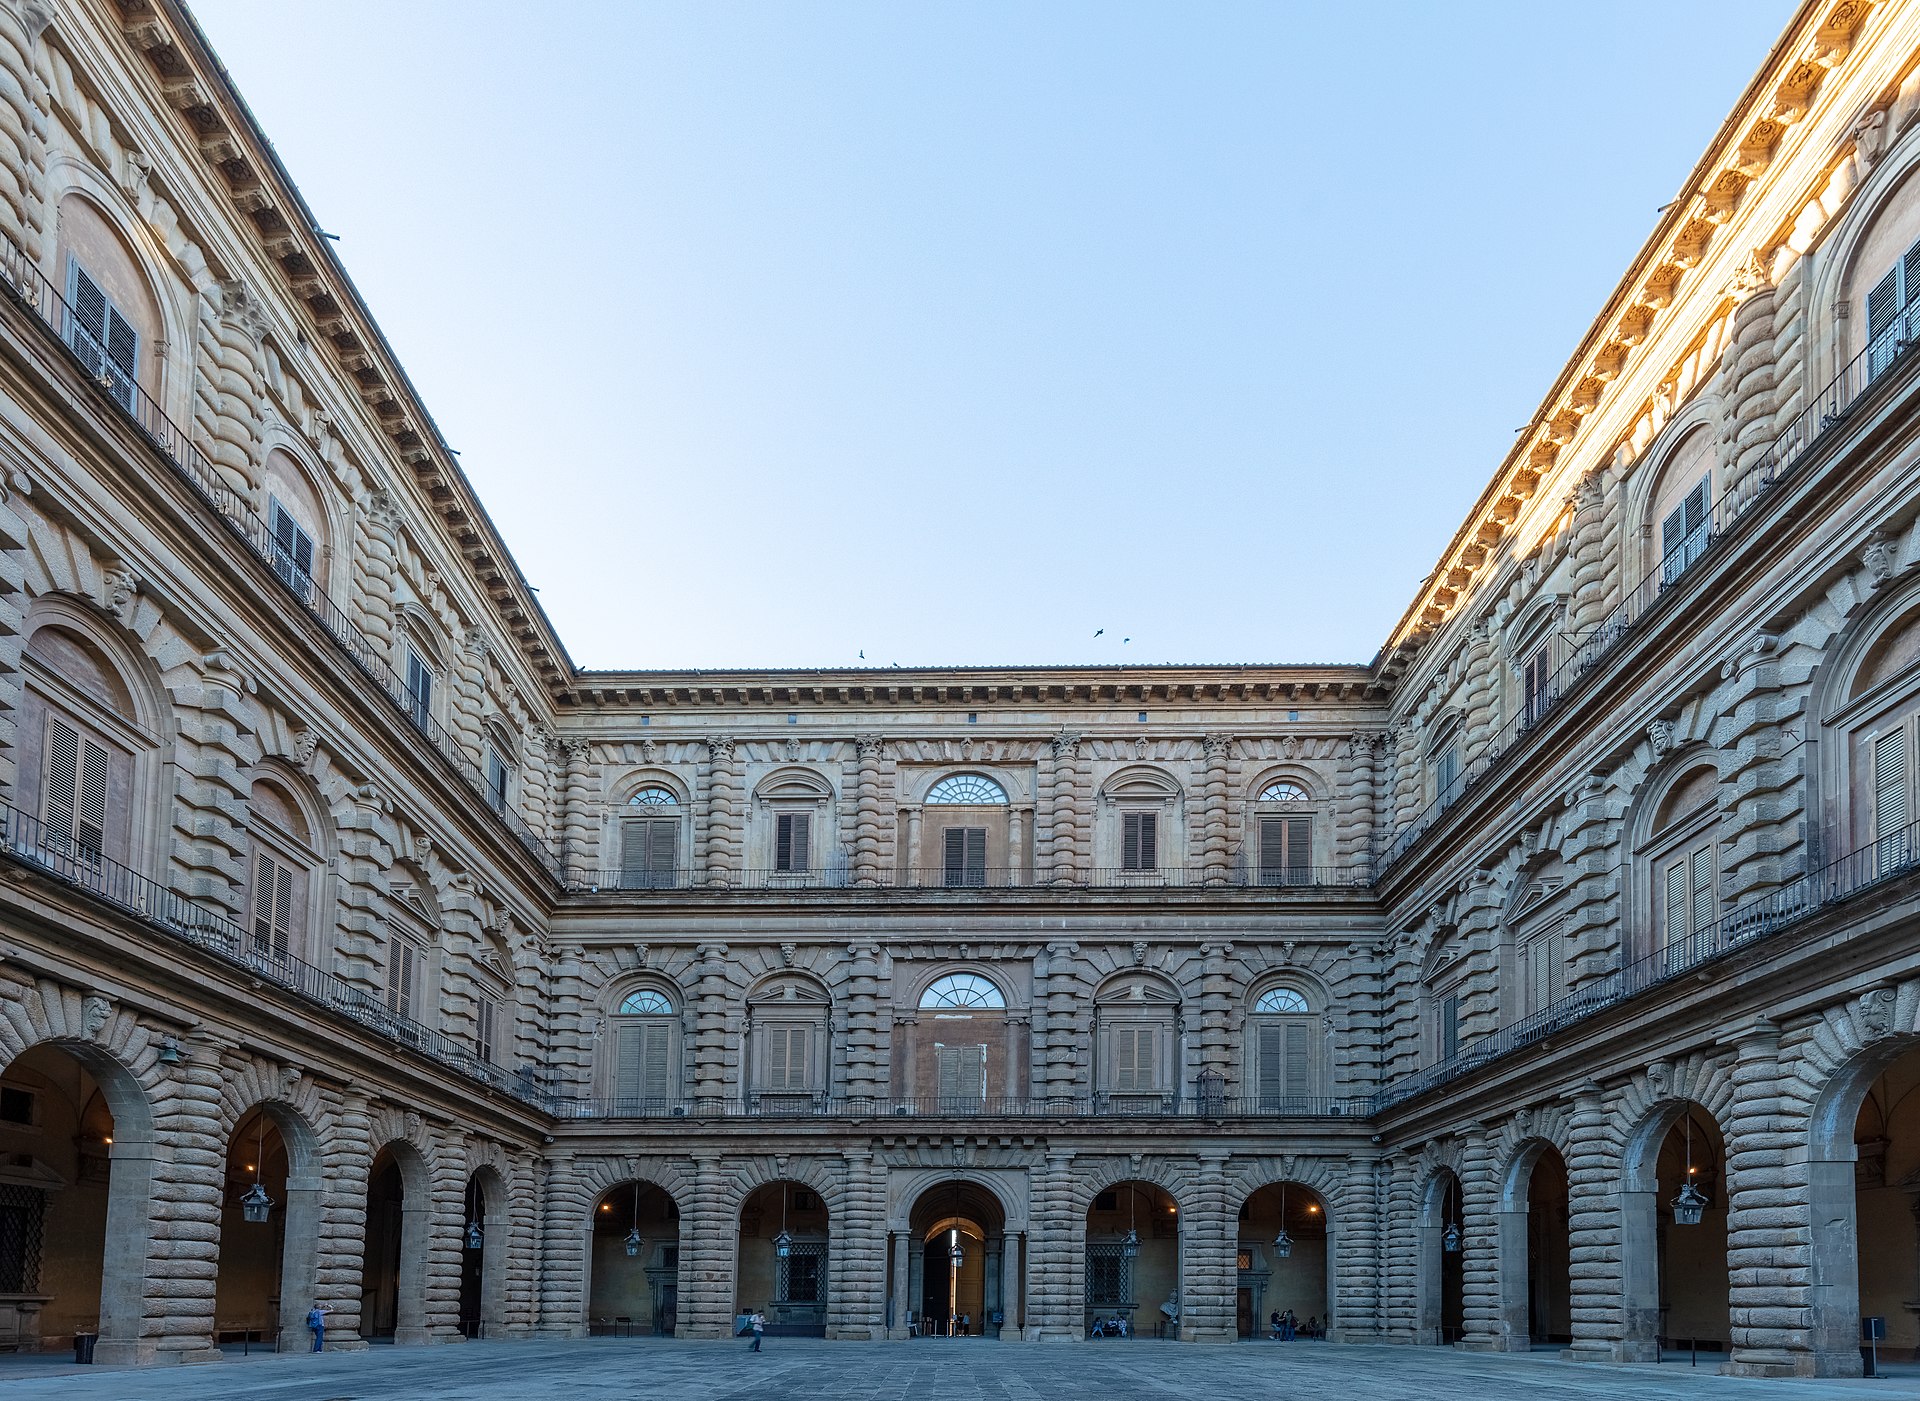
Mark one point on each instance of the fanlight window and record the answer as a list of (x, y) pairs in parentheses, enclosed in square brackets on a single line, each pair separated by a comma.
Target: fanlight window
[(653, 797), (962, 990), (646, 1003), (1283, 792), (1280, 1000), (969, 789)]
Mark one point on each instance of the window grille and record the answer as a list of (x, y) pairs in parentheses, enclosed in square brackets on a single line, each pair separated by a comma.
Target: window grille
[(801, 1273), (1109, 1275), (22, 1221), (966, 790)]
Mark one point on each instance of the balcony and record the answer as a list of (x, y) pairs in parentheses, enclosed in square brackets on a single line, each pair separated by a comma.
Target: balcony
[(1129, 1108), (844, 881)]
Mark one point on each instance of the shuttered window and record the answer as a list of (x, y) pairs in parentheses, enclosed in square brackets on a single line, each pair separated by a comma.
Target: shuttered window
[(792, 841), (419, 689), (648, 846), (643, 1069), (1687, 894), (964, 855), (292, 548), (104, 339), (1135, 1058), (1283, 1058), (74, 797), (1892, 804), (960, 1073), (1446, 1026), (787, 1049), (1446, 769), (1139, 841), (1542, 977), (487, 1023), (273, 908), (1533, 684), (496, 778), (403, 977), (1684, 533), (1892, 307), (1286, 850)]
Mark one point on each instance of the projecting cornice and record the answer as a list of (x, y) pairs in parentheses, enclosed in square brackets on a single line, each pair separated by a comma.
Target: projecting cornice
[(1816, 44), (240, 158)]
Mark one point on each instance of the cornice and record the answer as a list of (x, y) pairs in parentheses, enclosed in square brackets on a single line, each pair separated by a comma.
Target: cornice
[(1816, 43), (240, 159)]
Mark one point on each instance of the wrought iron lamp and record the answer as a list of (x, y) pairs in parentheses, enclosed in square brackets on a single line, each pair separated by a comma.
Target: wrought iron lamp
[(1283, 1243), (475, 1236), (633, 1241), (256, 1206), (783, 1243), (1691, 1204)]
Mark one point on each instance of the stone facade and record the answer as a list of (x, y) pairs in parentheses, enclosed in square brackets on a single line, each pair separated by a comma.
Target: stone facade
[(1408, 997)]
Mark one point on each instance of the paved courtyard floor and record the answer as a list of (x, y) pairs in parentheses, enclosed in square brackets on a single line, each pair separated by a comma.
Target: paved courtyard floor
[(810, 1370)]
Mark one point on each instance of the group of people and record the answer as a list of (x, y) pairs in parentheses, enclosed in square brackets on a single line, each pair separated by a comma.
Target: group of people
[(1286, 1326), (1115, 1327)]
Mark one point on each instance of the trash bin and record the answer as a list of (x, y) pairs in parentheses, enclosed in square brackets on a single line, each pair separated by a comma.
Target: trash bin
[(83, 1346)]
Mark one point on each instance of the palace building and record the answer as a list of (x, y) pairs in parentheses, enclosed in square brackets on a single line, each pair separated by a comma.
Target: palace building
[(1551, 980)]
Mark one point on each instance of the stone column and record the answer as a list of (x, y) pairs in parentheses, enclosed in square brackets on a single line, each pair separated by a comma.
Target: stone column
[(469, 694), (1353, 812), (1052, 1311), (214, 748), (1748, 364), (866, 1039), (709, 1239), (566, 1250), (857, 1294), (1216, 856), (711, 1044), (1769, 1227), (725, 815), (13, 614), (1209, 1228), (914, 874), (578, 848), (866, 828), (1010, 1300), (1595, 1200), (902, 1300), (379, 571), (1480, 1249), (1065, 820), (1016, 848)]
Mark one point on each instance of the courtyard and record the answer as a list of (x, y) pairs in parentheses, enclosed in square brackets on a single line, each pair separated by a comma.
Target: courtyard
[(806, 1369)]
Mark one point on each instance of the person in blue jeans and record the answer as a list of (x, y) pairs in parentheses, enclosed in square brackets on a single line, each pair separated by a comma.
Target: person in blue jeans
[(317, 1324), (758, 1323)]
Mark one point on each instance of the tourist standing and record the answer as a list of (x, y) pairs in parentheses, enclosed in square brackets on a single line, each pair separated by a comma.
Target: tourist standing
[(758, 1323), (317, 1324)]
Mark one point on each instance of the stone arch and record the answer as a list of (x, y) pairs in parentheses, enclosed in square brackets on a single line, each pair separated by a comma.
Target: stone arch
[(1680, 456), (297, 1119), (1863, 679), (1156, 1173), (401, 1227), (1439, 1282), (1675, 807), (287, 474), (1841, 274), (1535, 1246), (483, 1282), (574, 1199), (93, 225), (763, 1278), (1652, 1105), (1308, 1199), (967, 1206)]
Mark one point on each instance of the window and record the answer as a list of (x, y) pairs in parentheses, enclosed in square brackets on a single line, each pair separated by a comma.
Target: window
[(960, 1073), (1283, 792), (1446, 771), (1687, 894), (964, 856), (1286, 850), (643, 1047), (1283, 1058), (787, 1056), (966, 790), (274, 909), (487, 1023), (16, 1105), (496, 779), (1109, 1276), (1134, 1059), (1686, 530), (22, 1223), (1892, 307), (962, 990), (804, 1200), (101, 336), (1280, 1000), (292, 549), (1139, 841), (1445, 1012), (800, 1275), (403, 977), (648, 847), (1542, 970), (1533, 685), (419, 689), (73, 804), (792, 841)]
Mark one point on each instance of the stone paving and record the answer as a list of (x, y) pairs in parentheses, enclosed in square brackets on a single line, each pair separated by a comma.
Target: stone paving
[(810, 1370)]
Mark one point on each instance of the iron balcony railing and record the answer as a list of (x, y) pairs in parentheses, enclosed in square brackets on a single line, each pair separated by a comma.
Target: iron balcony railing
[(33, 843), (1787, 451), (1739, 928), (22, 277), (714, 878), (814, 1106)]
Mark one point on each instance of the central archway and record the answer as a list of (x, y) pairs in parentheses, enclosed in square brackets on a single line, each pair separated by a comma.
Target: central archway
[(1132, 1285), (269, 1220), (782, 1263), (962, 1279), (635, 1287), (1283, 1264)]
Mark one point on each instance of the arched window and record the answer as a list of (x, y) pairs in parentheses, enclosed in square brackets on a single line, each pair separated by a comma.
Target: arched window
[(966, 790), (962, 990), (79, 737), (650, 840), (1283, 1050), (1283, 792), (1283, 832), (1681, 859), (645, 1050), (281, 874), (1874, 759)]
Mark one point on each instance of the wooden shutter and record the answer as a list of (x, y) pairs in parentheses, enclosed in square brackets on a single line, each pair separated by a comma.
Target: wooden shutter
[(420, 686), (272, 906), (1541, 978), (633, 849), (1703, 901), (629, 1060), (1299, 1059), (656, 1066), (90, 817), (663, 837), (1133, 1058), (1272, 849), (1299, 839), (486, 1016), (86, 319), (1449, 1026), (793, 832), (964, 854), (1270, 1059), (1535, 683), (402, 966), (786, 1057), (1139, 841), (1891, 809), (1676, 901), (61, 790), (948, 1071), (647, 848)]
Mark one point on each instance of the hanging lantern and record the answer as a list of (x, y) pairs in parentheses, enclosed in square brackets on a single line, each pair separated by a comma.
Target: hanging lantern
[(783, 1245), (959, 1252), (634, 1242), (1688, 1206), (1450, 1238), (1130, 1243), (256, 1205), (475, 1238), (1283, 1243)]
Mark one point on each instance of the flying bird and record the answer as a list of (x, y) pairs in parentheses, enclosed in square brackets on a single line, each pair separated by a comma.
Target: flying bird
[(863, 654), (1125, 640), (1098, 631)]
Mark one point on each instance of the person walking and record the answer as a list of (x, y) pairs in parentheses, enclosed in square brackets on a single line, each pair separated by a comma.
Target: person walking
[(758, 1323), (317, 1324)]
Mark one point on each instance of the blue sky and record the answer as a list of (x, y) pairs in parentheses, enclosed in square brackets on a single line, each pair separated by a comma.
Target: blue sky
[(954, 333)]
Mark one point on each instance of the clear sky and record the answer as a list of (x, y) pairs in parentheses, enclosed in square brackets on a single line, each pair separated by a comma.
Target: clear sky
[(955, 332)]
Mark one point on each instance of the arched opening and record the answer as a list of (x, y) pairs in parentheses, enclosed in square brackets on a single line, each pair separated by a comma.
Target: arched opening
[(1282, 1263), (1442, 1278), (782, 1265), (634, 1290), (75, 1186), (963, 1268), (482, 1280), (269, 1218), (393, 1276), (1133, 1262), (1536, 1252), (1885, 1206), (1673, 1247)]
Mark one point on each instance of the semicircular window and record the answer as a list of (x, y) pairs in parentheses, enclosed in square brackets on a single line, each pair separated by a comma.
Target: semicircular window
[(1280, 1000), (1283, 792), (646, 1002), (971, 789), (962, 990), (653, 796)]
